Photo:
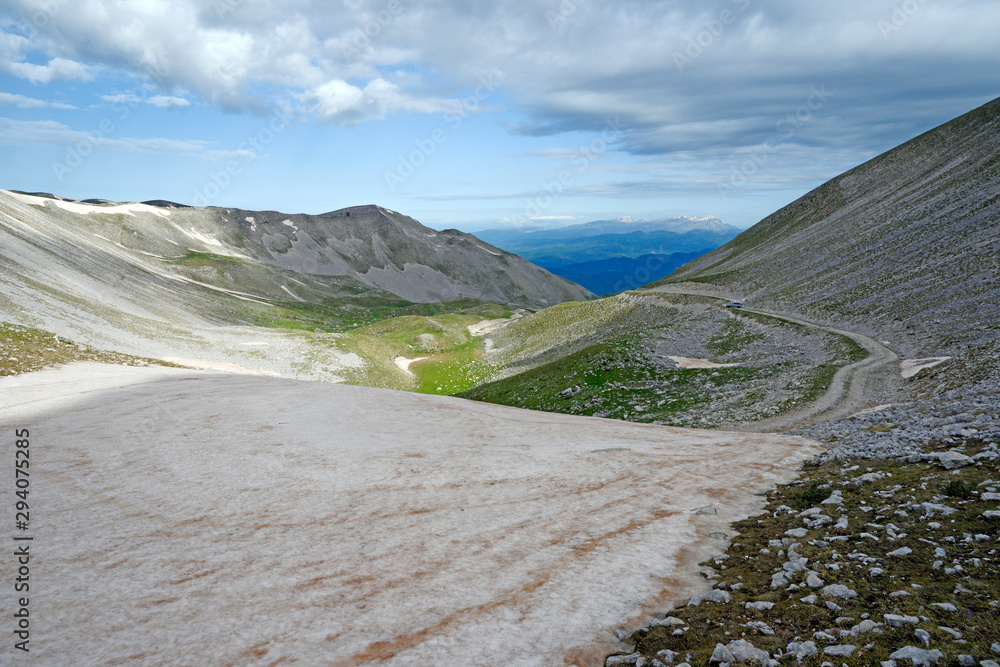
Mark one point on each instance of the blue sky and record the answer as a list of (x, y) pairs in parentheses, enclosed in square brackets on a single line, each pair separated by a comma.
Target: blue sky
[(474, 115)]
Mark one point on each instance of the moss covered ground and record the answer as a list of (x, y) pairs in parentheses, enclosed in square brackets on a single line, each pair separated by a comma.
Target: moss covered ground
[(945, 579)]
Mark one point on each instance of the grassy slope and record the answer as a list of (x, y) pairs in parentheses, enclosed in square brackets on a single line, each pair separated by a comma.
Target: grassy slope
[(609, 371), (611, 379), (452, 356)]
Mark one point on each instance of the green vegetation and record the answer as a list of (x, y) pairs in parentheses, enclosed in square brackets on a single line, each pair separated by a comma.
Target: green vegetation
[(348, 312), (813, 495), (24, 349), (614, 379), (451, 372), (445, 356), (958, 488), (195, 258), (596, 359)]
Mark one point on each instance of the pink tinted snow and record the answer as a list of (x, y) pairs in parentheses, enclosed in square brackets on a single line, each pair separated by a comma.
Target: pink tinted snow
[(203, 518)]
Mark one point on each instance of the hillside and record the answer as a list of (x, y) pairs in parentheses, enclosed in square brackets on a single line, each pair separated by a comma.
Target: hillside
[(894, 262), (263, 291), (368, 245), (905, 246)]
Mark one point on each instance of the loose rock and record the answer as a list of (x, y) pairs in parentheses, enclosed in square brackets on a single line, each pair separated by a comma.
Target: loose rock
[(917, 656)]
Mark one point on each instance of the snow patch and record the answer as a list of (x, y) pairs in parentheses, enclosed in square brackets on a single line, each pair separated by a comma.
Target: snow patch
[(487, 250), (27, 199), (289, 223), (218, 366), (404, 363), (910, 367), (76, 207), (381, 526), (242, 296), (687, 362), (293, 294), (127, 209), (218, 247)]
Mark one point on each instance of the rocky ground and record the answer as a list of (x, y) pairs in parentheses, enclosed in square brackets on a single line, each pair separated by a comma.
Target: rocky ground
[(763, 367), (885, 552), (901, 430), (792, 364)]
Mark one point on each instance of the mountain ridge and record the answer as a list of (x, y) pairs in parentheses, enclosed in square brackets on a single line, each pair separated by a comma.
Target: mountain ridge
[(371, 244), (905, 246), (572, 250), (253, 291)]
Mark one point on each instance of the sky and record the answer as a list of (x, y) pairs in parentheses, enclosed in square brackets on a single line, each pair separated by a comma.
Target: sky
[(476, 115)]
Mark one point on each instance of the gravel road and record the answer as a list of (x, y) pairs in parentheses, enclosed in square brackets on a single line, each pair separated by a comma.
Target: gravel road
[(855, 387)]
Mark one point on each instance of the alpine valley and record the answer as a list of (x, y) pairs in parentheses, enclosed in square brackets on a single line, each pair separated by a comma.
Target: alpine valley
[(236, 456)]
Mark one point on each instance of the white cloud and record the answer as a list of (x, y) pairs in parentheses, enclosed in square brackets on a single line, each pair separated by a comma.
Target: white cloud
[(31, 103), (52, 133), (57, 69), (335, 98), (168, 102), (162, 101), (20, 101), (726, 69), (339, 101), (121, 98)]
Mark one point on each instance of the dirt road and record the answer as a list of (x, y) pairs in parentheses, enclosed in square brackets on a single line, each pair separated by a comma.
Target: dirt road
[(852, 389)]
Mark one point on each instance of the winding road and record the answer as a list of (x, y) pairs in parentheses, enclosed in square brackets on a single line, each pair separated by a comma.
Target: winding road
[(849, 392)]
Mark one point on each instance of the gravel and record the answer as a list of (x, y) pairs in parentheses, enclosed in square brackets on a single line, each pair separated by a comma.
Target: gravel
[(901, 431)]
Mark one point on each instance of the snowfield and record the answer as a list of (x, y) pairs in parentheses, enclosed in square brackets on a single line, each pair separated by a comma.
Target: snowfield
[(185, 517)]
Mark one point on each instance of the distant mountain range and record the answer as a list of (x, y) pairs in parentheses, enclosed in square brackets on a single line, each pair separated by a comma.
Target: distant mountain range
[(614, 255), (617, 274)]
